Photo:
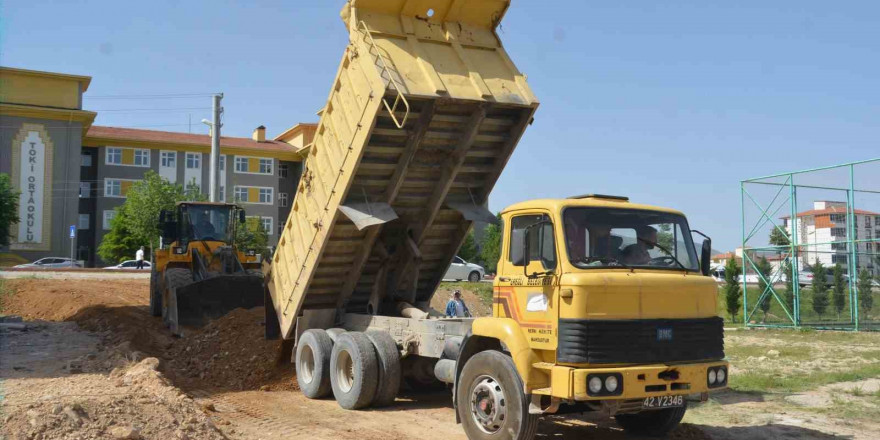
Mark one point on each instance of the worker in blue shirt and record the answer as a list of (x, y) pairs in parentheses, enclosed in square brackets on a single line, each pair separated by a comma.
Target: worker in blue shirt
[(456, 308)]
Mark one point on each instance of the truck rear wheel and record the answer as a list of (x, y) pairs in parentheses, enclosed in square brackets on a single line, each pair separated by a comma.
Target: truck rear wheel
[(354, 370), (313, 363), (155, 293), (491, 403), (389, 367), (654, 423)]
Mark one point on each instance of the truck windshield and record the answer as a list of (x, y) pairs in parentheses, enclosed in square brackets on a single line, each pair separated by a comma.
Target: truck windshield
[(205, 222), (606, 237)]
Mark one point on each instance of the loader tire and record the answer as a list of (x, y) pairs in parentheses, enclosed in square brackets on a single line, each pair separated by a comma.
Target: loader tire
[(312, 361), (490, 399), (354, 370), (389, 367), (174, 277), (155, 293), (654, 423)]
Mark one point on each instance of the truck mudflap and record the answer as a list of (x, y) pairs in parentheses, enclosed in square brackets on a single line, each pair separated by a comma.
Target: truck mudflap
[(193, 305)]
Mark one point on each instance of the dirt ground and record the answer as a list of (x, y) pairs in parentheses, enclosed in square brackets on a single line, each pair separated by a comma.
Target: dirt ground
[(93, 364)]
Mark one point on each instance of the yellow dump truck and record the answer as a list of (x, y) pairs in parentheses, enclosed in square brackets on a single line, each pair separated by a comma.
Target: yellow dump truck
[(600, 305)]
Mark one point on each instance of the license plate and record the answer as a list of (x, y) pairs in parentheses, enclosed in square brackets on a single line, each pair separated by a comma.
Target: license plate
[(663, 402)]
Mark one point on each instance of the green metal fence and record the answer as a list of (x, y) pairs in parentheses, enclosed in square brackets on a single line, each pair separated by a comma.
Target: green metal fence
[(769, 300)]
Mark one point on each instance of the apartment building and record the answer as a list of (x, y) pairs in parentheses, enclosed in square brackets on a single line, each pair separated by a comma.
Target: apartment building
[(75, 174), (821, 230)]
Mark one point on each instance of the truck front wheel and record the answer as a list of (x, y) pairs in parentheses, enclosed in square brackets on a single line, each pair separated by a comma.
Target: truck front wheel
[(491, 403), (313, 363), (654, 423)]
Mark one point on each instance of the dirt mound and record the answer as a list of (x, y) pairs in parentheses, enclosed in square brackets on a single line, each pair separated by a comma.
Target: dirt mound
[(136, 402), (59, 300), (231, 353)]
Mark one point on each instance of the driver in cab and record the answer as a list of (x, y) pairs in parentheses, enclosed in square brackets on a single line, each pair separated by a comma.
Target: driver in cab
[(637, 253), (204, 228)]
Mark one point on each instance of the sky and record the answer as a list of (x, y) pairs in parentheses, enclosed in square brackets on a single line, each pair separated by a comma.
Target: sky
[(669, 103)]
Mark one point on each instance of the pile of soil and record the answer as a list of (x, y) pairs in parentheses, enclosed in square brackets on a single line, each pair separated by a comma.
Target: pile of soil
[(133, 402), (231, 353)]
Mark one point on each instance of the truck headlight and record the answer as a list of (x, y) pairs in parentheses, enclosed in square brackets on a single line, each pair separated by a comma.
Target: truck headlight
[(595, 385), (179, 250), (611, 384), (712, 376), (716, 377), (721, 375)]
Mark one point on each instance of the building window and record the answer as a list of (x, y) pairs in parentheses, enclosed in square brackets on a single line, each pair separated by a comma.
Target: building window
[(141, 158), (267, 224), (193, 161), (266, 195), (265, 166), (241, 164), (241, 194), (838, 232), (85, 190), (85, 160), (280, 230), (838, 246), (83, 222), (838, 218), (168, 159), (222, 193), (867, 222), (222, 163), (108, 216), (877, 221), (282, 199), (112, 188), (114, 156), (283, 169), (838, 258)]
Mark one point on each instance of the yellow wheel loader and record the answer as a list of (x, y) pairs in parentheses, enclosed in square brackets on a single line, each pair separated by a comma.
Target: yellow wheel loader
[(198, 274)]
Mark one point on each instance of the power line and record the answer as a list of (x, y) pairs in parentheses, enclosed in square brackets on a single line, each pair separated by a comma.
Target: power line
[(114, 126), (160, 96), (151, 109)]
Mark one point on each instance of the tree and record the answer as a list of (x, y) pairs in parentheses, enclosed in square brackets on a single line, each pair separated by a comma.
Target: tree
[(491, 246), (731, 288), (789, 286), (820, 289), (137, 220), (839, 292), (252, 236), (468, 250), (665, 238), (866, 298), (779, 238), (8, 208), (764, 269)]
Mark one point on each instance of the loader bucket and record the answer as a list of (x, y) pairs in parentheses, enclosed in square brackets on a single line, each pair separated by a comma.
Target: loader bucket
[(195, 304)]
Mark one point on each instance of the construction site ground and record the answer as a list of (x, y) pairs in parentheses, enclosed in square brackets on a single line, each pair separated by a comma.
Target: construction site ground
[(87, 361)]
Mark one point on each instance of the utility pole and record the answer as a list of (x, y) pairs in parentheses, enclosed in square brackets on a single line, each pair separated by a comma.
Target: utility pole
[(214, 175)]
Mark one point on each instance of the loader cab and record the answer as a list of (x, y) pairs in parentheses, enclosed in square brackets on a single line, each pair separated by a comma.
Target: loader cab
[(200, 221)]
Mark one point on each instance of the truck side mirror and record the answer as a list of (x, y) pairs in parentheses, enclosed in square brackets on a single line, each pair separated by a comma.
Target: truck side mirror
[(241, 216), (705, 255)]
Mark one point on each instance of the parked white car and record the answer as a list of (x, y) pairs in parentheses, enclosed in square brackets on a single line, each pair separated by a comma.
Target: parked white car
[(462, 270), (50, 263), (129, 265)]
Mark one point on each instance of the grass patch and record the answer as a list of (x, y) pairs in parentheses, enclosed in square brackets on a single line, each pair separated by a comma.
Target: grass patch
[(5, 292), (780, 382), (741, 352), (482, 290)]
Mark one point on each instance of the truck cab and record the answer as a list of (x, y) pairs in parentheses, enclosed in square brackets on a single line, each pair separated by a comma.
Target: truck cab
[(603, 305)]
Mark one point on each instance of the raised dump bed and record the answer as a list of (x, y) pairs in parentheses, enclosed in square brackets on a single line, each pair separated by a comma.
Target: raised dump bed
[(424, 113)]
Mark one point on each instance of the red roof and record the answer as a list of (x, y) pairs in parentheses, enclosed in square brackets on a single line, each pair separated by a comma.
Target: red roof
[(133, 134), (831, 210)]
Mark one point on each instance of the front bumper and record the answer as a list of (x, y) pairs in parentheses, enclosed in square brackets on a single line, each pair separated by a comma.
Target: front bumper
[(638, 382)]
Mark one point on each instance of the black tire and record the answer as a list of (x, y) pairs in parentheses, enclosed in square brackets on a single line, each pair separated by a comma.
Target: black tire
[(389, 368), (312, 360), (492, 377), (474, 277), (654, 423), (334, 333), (155, 293), (354, 370), (254, 272), (174, 277)]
